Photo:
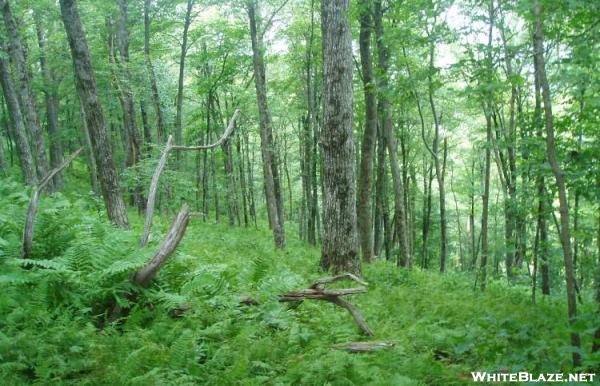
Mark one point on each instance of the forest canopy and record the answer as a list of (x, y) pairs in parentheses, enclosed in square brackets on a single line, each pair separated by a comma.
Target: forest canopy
[(298, 191)]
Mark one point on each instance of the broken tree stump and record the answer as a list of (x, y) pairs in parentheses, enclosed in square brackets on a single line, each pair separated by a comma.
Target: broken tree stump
[(317, 292)]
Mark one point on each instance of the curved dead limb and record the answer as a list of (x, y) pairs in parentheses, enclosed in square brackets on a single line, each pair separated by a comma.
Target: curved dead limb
[(362, 347), (221, 140), (144, 275), (152, 191), (161, 165), (326, 280), (29, 228), (317, 292)]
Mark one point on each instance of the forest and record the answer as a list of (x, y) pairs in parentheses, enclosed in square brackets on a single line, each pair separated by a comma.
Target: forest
[(299, 192)]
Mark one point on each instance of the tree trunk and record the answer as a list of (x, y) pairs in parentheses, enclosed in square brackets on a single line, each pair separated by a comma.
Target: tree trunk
[(369, 137), (438, 164), (270, 170), (385, 117), (86, 87), (184, 48), (160, 121), (540, 70), (340, 244), (27, 97), (51, 99), (18, 126)]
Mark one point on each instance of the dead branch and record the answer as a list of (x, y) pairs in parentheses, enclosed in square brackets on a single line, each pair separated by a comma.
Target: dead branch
[(152, 192), (144, 275), (221, 140), (362, 347), (161, 165), (317, 292), (29, 228), (326, 280)]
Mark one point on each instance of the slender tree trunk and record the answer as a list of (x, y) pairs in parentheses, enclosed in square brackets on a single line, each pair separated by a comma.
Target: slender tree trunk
[(25, 90), (369, 137), (487, 110), (242, 174), (340, 244), (439, 168), (51, 99), (86, 87), (270, 170), (540, 69), (184, 49), (160, 121), (385, 117), (18, 126)]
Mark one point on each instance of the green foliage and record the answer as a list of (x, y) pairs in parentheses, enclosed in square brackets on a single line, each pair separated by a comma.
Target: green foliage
[(53, 306)]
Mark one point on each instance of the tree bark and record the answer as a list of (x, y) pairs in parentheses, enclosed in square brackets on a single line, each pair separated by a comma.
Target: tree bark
[(385, 117), (184, 48), (85, 82), (540, 69), (270, 170), (25, 91), (365, 183), (160, 121), (51, 99), (340, 245), (18, 126)]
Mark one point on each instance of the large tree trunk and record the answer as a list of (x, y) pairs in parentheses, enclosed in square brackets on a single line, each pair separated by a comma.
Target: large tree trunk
[(270, 170), (27, 96), (18, 126), (160, 121), (184, 48), (340, 245), (85, 82), (369, 137), (51, 99), (540, 69), (385, 117)]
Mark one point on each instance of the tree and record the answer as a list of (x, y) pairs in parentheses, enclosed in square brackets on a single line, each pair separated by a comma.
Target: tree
[(18, 126), (160, 120), (182, 55), (85, 83), (370, 135), (26, 94), (559, 176), (340, 245), (270, 168)]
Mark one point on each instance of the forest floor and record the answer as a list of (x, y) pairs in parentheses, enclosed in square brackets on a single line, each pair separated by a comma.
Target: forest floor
[(442, 329)]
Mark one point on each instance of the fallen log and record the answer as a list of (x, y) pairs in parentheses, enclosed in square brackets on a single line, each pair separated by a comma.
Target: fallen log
[(362, 347), (29, 227), (317, 292)]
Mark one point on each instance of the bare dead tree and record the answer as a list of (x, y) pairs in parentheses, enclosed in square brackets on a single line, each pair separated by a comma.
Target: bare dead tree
[(161, 165), (29, 228)]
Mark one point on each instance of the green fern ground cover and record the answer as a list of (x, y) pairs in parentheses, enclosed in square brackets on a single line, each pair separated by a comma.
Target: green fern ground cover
[(52, 309)]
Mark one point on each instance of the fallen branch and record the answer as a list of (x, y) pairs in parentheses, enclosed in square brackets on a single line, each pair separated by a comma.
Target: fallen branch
[(29, 228), (145, 275), (161, 165), (362, 347), (317, 292)]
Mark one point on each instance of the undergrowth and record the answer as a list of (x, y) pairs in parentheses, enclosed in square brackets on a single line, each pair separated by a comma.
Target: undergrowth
[(54, 329)]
